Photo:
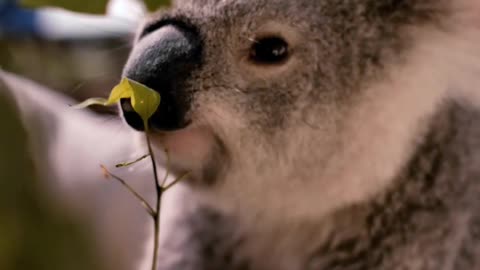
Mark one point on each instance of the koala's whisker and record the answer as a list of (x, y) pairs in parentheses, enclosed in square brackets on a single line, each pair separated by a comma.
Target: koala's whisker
[(234, 88), (252, 39), (76, 88), (87, 80), (205, 120), (122, 46), (249, 38), (238, 90)]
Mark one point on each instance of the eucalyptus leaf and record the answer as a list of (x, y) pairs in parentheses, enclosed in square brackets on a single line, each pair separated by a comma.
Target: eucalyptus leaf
[(144, 100)]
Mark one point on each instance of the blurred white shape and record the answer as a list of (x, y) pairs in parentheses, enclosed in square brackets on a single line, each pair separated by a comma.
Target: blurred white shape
[(132, 10), (68, 147), (57, 24), (123, 17)]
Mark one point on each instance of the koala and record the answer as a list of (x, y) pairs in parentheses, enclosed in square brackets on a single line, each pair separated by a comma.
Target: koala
[(318, 134)]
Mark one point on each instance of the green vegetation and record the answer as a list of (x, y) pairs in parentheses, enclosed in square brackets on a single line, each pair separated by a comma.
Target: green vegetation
[(96, 6), (35, 234)]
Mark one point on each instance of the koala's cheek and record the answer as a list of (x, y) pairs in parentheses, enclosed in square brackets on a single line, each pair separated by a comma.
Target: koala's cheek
[(188, 148)]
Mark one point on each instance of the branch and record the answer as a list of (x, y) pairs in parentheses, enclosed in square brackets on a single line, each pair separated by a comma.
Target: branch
[(142, 200), (176, 181)]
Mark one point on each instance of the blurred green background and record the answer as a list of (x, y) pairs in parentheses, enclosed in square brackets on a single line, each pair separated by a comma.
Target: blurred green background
[(33, 234), (90, 6), (79, 69)]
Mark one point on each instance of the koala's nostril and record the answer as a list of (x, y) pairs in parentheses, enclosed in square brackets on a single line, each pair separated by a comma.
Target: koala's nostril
[(126, 105), (131, 117), (164, 60)]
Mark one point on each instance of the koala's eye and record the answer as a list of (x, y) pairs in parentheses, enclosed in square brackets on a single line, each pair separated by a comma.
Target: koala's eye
[(269, 50)]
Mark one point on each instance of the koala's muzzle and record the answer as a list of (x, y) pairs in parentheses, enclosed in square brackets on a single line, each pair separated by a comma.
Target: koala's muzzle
[(163, 59)]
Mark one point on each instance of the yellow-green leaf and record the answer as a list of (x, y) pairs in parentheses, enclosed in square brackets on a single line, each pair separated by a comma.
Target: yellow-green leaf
[(144, 100)]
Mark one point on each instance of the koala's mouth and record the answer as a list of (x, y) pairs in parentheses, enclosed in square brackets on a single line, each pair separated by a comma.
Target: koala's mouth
[(195, 149), (191, 145), (171, 131), (189, 139)]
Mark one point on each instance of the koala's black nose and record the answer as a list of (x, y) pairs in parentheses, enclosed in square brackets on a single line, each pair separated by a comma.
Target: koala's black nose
[(163, 59)]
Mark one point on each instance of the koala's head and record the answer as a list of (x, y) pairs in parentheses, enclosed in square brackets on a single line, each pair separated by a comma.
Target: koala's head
[(288, 108)]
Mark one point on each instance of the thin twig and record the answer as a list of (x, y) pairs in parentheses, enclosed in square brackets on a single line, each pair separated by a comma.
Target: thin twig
[(156, 232), (167, 166), (156, 217), (152, 158), (126, 164), (142, 200), (183, 176), (154, 213)]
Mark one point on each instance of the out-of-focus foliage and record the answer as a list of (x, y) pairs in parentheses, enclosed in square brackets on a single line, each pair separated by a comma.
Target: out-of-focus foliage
[(92, 6), (78, 69), (33, 233)]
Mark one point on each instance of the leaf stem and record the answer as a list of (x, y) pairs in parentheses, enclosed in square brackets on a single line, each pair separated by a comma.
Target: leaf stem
[(142, 200), (183, 176), (126, 164), (153, 212), (152, 158), (159, 193)]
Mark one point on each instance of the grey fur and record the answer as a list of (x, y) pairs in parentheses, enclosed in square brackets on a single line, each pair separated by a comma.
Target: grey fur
[(290, 176)]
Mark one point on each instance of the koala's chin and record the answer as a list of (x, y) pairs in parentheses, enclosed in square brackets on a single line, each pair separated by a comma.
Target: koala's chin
[(189, 149)]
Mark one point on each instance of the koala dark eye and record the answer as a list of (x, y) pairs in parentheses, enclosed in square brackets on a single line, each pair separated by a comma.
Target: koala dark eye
[(269, 50)]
